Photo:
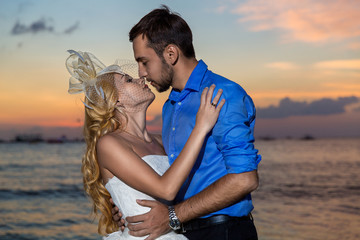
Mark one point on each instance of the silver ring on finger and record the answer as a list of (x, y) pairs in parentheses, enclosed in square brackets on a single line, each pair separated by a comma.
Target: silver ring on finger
[(213, 104)]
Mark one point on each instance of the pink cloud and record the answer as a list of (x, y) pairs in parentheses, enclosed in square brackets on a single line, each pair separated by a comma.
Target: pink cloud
[(305, 20), (221, 9)]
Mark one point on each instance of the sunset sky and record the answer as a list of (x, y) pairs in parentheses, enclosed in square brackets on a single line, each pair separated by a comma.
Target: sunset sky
[(298, 60)]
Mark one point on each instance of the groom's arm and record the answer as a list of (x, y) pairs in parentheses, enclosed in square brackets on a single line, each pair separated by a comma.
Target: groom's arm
[(217, 196)]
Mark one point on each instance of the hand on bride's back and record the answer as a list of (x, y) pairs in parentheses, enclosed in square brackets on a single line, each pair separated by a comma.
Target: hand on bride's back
[(209, 109)]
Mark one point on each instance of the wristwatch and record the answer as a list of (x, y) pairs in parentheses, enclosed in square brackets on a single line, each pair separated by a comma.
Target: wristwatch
[(174, 222)]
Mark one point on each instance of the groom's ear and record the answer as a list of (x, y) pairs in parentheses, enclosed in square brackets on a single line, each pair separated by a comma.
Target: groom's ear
[(171, 54)]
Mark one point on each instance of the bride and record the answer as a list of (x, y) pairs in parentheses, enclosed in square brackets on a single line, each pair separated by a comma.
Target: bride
[(123, 161)]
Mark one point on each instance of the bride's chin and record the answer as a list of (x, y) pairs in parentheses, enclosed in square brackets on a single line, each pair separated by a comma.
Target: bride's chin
[(150, 102), (152, 98)]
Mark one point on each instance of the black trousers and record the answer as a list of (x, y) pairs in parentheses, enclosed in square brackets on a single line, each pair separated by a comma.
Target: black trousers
[(230, 230)]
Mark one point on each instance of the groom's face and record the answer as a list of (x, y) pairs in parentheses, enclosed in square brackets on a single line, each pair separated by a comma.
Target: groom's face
[(151, 66)]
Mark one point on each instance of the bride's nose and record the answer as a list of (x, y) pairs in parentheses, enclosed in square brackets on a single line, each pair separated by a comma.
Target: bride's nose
[(137, 80), (142, 81)]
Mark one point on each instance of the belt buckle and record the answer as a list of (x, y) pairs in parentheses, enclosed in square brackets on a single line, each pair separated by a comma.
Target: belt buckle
[(183, 230)]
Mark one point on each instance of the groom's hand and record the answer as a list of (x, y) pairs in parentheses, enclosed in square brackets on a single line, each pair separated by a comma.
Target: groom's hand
[(153, 223), (117, 216)]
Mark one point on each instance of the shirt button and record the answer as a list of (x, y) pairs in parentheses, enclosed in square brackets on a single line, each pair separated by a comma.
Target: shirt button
[(172, 155), (173, 129), (179, 103)]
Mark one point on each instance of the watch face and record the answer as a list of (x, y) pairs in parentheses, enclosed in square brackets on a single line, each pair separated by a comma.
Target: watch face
[(174, 224)]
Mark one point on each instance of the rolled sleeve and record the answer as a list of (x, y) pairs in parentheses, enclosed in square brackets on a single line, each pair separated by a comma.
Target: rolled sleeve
[(234, 132)]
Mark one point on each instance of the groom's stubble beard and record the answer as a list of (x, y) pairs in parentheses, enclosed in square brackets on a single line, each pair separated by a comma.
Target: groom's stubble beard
[(167, 75)]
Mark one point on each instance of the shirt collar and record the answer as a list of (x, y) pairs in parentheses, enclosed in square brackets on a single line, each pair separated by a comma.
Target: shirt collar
[(194, 81), (196, 76)]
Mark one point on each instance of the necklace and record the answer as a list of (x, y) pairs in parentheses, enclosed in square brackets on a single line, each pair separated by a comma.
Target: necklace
[(141, 139)]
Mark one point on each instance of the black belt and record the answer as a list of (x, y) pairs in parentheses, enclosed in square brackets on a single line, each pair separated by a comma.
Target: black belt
[(201, 223)]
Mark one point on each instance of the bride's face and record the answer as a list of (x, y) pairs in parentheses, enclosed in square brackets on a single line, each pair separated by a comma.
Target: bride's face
[(134, 94)]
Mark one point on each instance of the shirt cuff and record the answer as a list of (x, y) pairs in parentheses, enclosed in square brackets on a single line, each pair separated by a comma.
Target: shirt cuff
[(239, 163)]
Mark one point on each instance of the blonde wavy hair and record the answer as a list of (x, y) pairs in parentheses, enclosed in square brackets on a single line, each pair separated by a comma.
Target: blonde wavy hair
[(100, 120)]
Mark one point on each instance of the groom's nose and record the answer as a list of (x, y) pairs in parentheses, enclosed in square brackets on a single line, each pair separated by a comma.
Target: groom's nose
[(142, 71)]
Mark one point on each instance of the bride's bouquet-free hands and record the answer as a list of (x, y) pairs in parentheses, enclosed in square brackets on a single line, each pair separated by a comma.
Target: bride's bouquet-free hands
[(209, 109)]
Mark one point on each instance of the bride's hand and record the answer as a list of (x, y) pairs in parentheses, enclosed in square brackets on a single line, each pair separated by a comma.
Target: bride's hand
[(209, 109)]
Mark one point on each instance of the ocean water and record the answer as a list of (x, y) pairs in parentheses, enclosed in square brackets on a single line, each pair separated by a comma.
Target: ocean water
[(308, 190)]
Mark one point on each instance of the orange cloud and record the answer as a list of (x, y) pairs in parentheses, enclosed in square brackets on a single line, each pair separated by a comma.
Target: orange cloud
[(304, 21), (353, 64), (354, 45), (282, 65)]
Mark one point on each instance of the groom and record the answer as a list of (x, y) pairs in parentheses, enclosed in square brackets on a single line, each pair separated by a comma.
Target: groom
[(215, 201)]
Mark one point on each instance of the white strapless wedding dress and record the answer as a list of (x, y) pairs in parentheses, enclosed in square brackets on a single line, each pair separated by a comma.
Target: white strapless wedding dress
[(125, 197)]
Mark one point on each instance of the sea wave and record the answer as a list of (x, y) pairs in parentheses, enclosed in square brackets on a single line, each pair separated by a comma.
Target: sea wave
[(73, 191)]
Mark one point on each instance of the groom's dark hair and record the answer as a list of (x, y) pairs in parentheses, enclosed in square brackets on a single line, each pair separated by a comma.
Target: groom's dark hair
[(163, 27)]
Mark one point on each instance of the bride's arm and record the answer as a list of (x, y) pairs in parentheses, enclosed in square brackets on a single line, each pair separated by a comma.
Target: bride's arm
[(127, 166)]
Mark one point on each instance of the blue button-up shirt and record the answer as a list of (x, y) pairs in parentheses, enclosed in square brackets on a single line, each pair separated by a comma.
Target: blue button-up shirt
[(228, 148)]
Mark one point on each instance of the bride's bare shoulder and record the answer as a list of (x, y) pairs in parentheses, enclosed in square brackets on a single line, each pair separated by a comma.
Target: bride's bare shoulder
[(112, 140)]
